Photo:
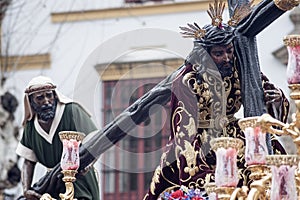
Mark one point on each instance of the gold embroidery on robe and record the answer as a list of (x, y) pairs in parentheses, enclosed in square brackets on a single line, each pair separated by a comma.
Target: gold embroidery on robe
[(155, 179), (191, 158)]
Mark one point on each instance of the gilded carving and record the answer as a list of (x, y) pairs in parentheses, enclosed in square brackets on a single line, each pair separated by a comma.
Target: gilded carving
[(286, 4)]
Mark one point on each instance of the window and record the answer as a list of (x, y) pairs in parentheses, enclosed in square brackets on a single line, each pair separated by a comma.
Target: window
[(134, 158)]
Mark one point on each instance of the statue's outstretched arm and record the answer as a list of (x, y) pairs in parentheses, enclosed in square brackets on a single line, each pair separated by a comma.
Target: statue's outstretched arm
[(137, 113)]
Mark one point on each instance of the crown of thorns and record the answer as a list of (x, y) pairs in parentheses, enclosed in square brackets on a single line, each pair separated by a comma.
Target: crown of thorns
[(215, 12)]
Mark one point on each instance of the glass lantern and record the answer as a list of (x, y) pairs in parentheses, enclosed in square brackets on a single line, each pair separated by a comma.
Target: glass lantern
[(70, 155), (283, 176), (226, 149), (292, 42), (256, 146)]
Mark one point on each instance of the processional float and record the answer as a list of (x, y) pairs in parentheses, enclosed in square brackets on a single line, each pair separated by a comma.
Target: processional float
[(272, 176)]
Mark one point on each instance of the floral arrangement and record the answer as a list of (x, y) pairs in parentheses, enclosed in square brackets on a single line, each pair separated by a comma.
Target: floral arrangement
[(183, 193)]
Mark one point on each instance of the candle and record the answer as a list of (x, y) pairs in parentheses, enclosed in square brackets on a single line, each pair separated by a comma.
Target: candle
[(70, 155), (283, 183), (226, 174), (283, 176), (293, 68), (226, 149), (256, 146)]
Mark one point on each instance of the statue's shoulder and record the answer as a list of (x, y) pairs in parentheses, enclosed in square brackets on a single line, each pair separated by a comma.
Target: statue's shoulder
[(29, 125), (76, 107)]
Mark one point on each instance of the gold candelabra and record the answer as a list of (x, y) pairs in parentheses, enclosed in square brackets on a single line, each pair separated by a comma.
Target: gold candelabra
[(69, 163)]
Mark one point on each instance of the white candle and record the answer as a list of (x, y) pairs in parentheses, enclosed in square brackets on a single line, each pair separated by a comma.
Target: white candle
[(226, 174), (256, 147)]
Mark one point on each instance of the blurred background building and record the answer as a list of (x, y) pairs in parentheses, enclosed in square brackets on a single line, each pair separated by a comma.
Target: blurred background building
[(106, 54)]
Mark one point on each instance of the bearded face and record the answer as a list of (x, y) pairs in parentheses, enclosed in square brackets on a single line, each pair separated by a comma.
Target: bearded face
[(44, 104), (223, 56)]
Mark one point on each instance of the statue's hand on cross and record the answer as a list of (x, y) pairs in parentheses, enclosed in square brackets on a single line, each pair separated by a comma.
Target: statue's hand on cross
[(273, 95)]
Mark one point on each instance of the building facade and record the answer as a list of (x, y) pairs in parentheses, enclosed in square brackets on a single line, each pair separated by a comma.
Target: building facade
[(106, 54)]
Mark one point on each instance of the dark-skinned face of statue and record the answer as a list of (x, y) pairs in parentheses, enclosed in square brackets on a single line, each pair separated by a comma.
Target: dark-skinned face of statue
[(223, 56), (44, 104)]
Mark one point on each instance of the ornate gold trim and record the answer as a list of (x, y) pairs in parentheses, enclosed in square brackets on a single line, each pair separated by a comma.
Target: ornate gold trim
[(248, 122), (78, 136), (279, 160), (226, 142), (224, 193), (286, 4), (210, 187), (291, 40), (295, 91), (258, 171)]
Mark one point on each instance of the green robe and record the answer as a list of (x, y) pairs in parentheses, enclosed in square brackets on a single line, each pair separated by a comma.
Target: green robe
[(72, 118)]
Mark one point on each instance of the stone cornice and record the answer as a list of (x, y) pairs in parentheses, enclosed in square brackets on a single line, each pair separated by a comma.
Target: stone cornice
[(137, 70), (136, 10), (38, 61)]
